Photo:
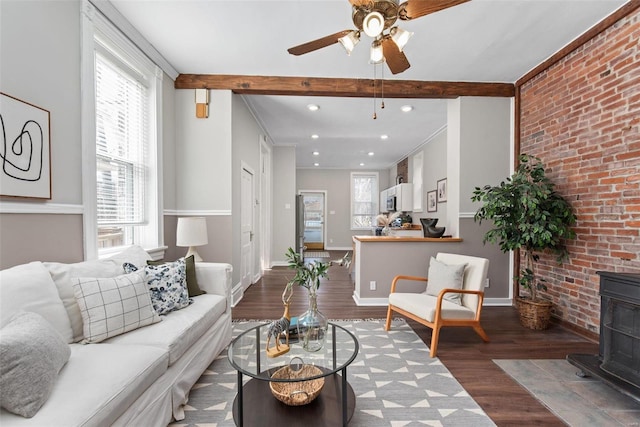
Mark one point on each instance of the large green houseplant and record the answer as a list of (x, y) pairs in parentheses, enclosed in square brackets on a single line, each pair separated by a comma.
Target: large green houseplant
[(528, 215)]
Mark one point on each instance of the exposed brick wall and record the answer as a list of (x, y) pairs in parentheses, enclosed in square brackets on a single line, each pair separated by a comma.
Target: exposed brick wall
[(582, 118)]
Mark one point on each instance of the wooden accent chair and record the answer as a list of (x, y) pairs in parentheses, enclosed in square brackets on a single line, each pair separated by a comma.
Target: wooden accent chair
[(437, 311)]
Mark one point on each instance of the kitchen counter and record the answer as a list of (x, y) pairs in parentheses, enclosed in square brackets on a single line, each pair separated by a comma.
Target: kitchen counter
[(378, 259), (406, 239)]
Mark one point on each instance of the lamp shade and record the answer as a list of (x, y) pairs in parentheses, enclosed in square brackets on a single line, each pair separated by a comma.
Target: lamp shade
[(192, 231), (350, 41), (376, 55)]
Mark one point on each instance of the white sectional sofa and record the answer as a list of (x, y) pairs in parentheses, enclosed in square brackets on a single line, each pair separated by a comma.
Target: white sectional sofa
[(139, 378)]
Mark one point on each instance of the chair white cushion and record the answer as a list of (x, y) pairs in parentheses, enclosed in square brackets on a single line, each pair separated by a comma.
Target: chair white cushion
[(445, 276), (113, 306), (32, 353), (29, 287), (424, 306)]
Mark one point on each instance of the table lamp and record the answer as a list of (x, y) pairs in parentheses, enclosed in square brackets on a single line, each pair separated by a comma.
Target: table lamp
[(192, 232)]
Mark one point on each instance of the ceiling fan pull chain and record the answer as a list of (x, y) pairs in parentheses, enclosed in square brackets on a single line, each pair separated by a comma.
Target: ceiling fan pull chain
[(382, 88), (375, 116)]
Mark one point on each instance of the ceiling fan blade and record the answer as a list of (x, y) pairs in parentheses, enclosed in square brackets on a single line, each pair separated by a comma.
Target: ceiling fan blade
[(317, 44), (412, 9), (396, 60), (359, 3)]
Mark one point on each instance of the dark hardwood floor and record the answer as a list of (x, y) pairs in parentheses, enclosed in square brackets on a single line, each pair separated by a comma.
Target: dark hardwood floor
[(463, 352)]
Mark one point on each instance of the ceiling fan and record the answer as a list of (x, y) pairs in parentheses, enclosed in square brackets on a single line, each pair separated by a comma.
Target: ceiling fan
[(377, 19)]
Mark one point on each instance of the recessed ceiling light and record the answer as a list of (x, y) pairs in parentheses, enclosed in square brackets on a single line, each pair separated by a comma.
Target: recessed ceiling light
[(316, 164), (316, 153), (315, 136), (313, 107), (361, 164), (384, 136), (406, 108), (371, 153)]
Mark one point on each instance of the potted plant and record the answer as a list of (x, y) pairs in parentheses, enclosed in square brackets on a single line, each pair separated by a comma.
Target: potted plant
[(312, 325), (528, 215)]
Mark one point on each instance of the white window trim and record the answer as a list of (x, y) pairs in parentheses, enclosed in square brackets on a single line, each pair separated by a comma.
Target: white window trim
[(376, 196), (93, 22)]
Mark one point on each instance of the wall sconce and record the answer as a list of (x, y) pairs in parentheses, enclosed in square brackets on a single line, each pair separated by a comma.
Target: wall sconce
[(192, 232), (202, 103)]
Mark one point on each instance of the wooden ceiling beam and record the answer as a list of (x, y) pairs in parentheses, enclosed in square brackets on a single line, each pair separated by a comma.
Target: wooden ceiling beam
[(341, 87)]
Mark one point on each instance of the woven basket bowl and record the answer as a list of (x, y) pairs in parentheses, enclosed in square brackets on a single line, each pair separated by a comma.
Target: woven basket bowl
[(300, 392)]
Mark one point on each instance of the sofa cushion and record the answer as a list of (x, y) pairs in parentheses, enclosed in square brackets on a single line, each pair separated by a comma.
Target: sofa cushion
[(445, 276), (62, 275), (113, 306), (97, 385), (32, 353), (179, 330), (29, 287), (167, 283), (192, 280)]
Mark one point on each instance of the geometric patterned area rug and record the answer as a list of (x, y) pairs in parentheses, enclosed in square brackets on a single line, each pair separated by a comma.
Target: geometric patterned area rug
[(395, 381)]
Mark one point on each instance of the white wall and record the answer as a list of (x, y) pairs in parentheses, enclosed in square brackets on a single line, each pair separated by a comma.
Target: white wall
[(40, 64), (203, 155), (284, 199), (434, 156)]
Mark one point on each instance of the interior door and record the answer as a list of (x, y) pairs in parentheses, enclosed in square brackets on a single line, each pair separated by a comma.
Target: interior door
[(246, 229), (313, 203)]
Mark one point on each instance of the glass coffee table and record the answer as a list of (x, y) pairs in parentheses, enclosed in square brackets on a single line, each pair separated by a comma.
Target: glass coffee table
[(255, 405)]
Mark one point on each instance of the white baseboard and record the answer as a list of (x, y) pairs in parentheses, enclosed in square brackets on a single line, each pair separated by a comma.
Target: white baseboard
[(236, 294), (381, 302), (497, 302), (339, 248)]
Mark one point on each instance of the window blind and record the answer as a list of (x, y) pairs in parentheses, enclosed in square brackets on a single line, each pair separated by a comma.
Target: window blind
[(121, 143), (364, 200)]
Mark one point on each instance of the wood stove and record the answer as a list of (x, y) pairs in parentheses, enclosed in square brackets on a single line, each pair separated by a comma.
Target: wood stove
[(618, 361)]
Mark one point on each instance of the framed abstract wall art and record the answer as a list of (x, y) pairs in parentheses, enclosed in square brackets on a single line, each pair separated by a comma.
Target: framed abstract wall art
[(25, 149), (442, 190)]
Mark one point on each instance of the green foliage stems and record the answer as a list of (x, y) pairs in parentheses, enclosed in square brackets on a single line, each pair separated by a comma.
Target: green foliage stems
[(307, 275)]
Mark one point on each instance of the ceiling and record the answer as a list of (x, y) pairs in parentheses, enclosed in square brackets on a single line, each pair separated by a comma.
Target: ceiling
[(478, 41)]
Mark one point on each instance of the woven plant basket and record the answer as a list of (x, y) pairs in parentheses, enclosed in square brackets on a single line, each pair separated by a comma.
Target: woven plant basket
[(299, 392), (534, 314)]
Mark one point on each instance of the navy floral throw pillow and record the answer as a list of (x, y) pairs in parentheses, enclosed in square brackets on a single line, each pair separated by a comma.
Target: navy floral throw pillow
[(167, 284)]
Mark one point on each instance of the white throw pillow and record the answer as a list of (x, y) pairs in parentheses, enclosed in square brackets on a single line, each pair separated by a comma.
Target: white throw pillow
[(113, 306), (445, 276), (135, 255), (63, 273), (32, 353), (29, 287)]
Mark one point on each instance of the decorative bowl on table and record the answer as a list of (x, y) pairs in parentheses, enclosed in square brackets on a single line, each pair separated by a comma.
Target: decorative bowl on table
[(297, 393)]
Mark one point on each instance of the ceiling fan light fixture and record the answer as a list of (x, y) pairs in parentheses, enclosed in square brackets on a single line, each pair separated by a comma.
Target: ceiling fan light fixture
[(400, 37), (373, 24), (350, 41), (377, 55)]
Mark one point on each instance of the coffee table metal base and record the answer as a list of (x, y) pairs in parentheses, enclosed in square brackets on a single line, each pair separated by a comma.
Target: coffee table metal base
[(261, 408)]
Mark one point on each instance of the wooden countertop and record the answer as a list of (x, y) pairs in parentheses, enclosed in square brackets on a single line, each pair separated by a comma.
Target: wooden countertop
[(406, 239)]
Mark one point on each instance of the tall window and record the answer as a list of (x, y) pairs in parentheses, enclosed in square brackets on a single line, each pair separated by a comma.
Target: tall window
[(364, 199), (121, 142)]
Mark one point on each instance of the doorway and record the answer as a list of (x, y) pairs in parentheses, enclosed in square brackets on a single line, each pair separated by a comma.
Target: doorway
[(247, 196), (314, 223)]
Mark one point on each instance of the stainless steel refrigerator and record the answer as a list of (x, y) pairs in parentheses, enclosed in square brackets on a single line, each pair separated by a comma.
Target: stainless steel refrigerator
[(300, 224)]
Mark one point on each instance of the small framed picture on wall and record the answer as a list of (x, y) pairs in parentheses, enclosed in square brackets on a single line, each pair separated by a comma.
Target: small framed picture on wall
[(432, 201), (442, 190)]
